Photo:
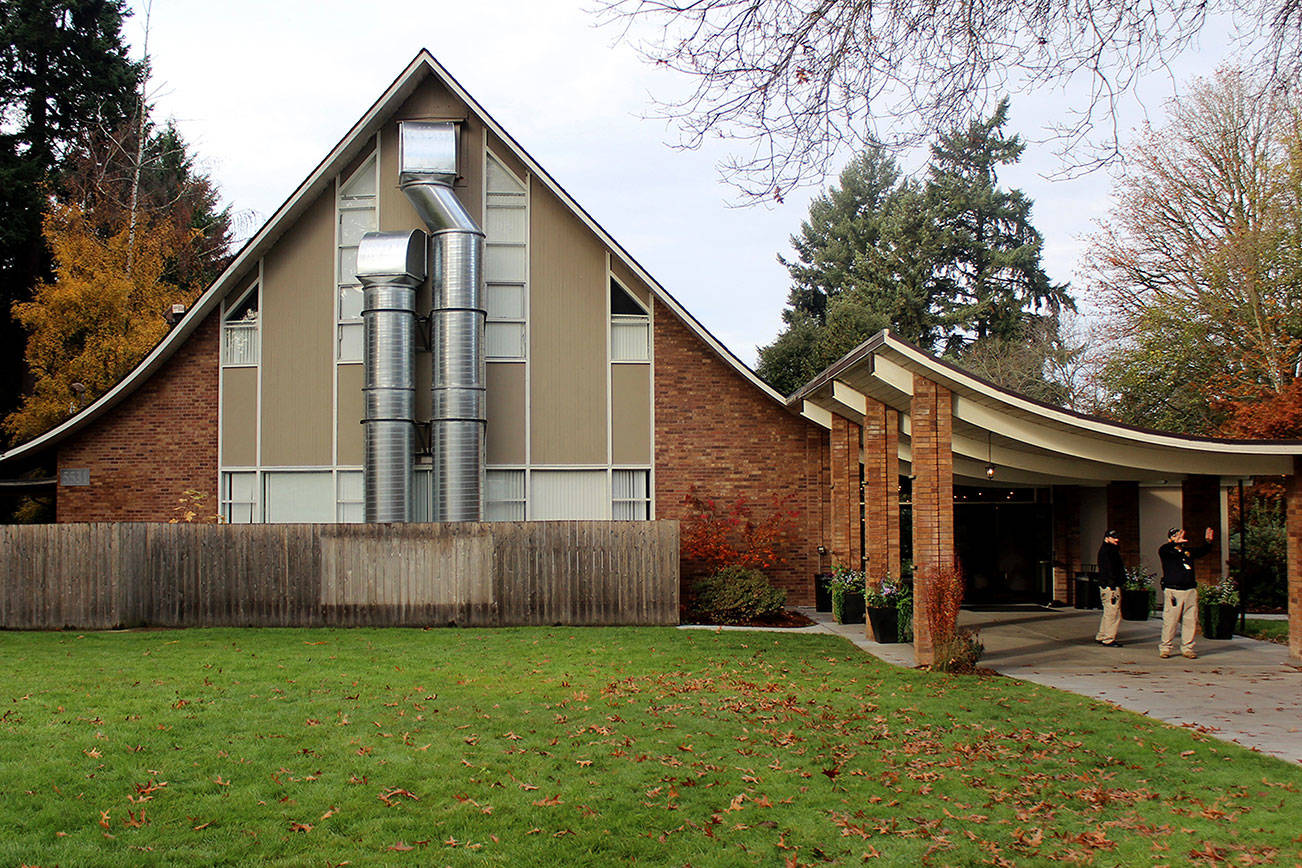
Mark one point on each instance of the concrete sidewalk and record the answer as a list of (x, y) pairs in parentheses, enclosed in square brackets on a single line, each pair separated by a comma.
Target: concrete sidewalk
[(1238, 690)]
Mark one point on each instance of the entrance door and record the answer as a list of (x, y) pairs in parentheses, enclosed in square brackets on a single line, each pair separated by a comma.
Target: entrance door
[(1004, 538)]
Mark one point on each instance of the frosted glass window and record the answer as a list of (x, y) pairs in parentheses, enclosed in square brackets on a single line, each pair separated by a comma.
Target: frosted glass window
[(504, 495), (347, 264), (507, 224), (502, 263), (351, 338), (354, 223), (350, 302), (238, 497), (350, 506), (630, 339), (500, 180), (568, 494), (422, 494), (240, 336), (630, 495), (504, 340), (505, 301), (299, 496), (360, 183), (356, 216), (506, 264)]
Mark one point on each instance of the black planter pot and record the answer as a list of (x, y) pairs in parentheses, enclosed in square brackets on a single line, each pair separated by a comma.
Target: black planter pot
[(847, 608), (1218, 621), (885, 622), (1136, 605), (823, 592)]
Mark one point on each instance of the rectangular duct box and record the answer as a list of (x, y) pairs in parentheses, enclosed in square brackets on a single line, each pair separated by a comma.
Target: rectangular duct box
[(427, 148)]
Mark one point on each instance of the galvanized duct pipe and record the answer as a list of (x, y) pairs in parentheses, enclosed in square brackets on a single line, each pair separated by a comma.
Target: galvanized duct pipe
[(428, 168), (390, 265)]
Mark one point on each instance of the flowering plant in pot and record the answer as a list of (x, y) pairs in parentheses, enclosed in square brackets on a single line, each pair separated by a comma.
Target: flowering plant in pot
[(1219, 607), (847, 595), (1137, 594), (882, 602)]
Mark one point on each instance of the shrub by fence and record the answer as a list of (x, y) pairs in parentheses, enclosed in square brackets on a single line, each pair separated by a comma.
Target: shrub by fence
[(96, 576)]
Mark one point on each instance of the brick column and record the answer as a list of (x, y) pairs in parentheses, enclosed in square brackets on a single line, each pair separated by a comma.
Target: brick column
[(933, 500), (1123, 517), (1200, 509), (844, 472), (881, 449), (1293, 523), (1066, 540)]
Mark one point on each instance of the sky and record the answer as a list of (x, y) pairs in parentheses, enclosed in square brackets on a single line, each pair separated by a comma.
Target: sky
[(263, 89)]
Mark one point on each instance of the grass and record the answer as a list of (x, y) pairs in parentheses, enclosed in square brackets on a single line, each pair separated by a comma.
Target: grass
[(1268, 631), (591, 747)]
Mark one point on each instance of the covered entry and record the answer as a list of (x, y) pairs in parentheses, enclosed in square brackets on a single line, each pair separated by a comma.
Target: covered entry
[(920, 431)]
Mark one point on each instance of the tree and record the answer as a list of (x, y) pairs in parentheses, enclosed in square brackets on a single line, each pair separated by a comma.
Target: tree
[(1199, 267), (1045, 362), (63, 71), (803, 81)]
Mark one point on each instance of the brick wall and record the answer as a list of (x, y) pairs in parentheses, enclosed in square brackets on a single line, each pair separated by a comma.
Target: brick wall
[(1123, 517), (160, 442), (1293, 499), (1200, 498), (933, 500), (846, 532), (1066, 541), (716, 430), (881, 441)]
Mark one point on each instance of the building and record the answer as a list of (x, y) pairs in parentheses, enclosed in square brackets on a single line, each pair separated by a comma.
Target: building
[(522, 366)]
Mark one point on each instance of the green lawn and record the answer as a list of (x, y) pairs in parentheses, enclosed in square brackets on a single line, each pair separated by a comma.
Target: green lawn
[(1269, 631), (588, 747)]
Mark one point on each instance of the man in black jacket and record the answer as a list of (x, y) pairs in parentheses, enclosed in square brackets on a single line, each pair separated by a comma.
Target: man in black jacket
[(1180, 591), (1111, 572)]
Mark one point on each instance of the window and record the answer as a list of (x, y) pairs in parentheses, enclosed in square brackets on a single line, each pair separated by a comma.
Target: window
[(506, 262), (240, 330), (568, 494), (630, 496), (630, 327), (357, 216), (504, 495), (299, 496), (350, 503), (238, 498)]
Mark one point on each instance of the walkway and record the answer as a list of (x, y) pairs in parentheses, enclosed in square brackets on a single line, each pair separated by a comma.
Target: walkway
[(1239, 690)]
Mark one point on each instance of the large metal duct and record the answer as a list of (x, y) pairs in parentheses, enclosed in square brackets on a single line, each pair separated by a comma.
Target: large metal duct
[(427, 156), (390, 265)]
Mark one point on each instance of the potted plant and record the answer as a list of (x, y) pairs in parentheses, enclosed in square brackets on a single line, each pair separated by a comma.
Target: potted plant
[(1137, 594), (882, 602), (847, 595), (1219, 605)]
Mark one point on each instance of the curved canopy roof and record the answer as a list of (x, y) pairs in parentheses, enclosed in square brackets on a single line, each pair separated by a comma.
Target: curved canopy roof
[(1028, 442)]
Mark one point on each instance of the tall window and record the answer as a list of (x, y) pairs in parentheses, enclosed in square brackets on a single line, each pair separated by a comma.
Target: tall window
[(630, 327), (506, 262), (504, 495), (630, 495), (239, 503), (357, 216), (240, 331)]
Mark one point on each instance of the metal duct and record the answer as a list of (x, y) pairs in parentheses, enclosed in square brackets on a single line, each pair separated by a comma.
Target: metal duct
[(390, 265), (427, 156)]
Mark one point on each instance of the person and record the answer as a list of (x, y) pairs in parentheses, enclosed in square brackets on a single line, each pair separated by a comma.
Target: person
[(1111, 572), (1180, 591)]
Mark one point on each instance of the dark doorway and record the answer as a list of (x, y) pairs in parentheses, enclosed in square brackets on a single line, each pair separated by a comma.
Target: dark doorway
[(1004, 538)]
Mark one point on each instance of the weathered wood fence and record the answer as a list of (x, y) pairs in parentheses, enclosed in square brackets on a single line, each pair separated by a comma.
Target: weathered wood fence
[(88, 576)]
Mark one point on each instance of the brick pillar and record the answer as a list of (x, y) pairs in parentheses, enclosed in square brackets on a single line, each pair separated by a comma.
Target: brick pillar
[(844, 471), (881, 448), (1123, 517), (1293, 500), (1066, 540), (933, 500), (1200, 509)]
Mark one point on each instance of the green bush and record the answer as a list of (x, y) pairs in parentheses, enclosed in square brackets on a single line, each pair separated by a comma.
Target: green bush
[(959, 653), (735, 595)]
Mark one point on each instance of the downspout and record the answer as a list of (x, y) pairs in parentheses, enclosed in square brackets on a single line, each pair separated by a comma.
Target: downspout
[(390, 266), (427, 157)]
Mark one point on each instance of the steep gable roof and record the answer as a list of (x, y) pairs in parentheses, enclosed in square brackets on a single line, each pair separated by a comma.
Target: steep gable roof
[(349, 147)]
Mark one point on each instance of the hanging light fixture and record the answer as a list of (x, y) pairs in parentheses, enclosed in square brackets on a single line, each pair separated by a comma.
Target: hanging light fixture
[(990, 464)]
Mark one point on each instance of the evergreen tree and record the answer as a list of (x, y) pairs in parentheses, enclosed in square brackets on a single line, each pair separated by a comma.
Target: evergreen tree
[(63, 71)]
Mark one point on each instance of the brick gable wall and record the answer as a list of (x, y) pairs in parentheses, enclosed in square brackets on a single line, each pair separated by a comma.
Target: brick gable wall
[(160, 442), (714, 429)]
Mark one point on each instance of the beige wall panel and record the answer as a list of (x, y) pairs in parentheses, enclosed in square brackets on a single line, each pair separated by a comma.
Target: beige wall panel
[(630, 410), (239, 417), (298, 328), (506, 413), (567, 335), (634, 285), (352, 407), (1159, 510)]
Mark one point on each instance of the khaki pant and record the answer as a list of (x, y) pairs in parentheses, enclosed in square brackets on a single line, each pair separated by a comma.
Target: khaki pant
[(1111, 598), (1179, 608)]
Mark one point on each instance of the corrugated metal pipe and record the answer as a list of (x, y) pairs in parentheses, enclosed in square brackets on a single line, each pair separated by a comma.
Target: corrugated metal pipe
[(390, 266), (427, 170)]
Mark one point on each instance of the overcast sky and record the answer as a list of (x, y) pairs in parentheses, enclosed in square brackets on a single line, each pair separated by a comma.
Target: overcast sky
[(263, 89)]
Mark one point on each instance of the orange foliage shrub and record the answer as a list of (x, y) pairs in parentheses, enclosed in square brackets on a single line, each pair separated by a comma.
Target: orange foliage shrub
[(717, 534)]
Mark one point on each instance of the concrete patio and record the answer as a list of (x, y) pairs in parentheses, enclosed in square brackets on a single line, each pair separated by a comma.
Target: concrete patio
[(1239, 690)]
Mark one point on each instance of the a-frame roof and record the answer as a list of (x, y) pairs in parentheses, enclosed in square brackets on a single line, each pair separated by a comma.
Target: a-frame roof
[(1028, 442), (421, 68)]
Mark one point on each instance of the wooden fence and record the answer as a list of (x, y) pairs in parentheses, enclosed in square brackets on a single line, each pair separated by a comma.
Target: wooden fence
[(95, 576)]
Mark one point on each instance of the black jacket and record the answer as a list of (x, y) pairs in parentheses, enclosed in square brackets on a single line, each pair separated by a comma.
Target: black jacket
[(1177, 564), (1111, 569)]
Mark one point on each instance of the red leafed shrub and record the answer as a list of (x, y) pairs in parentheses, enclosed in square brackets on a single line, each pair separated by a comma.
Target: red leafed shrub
[(954, 650), (717, 534)]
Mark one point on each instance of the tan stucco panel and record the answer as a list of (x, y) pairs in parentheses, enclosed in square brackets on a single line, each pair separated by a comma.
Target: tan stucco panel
[(633, 284), (567, 335), (298, 328), (352, 407), (630, 412), (506, 413), (239, 417)]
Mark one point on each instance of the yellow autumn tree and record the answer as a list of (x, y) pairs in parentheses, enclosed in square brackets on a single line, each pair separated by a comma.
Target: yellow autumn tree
[(97, 319)]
